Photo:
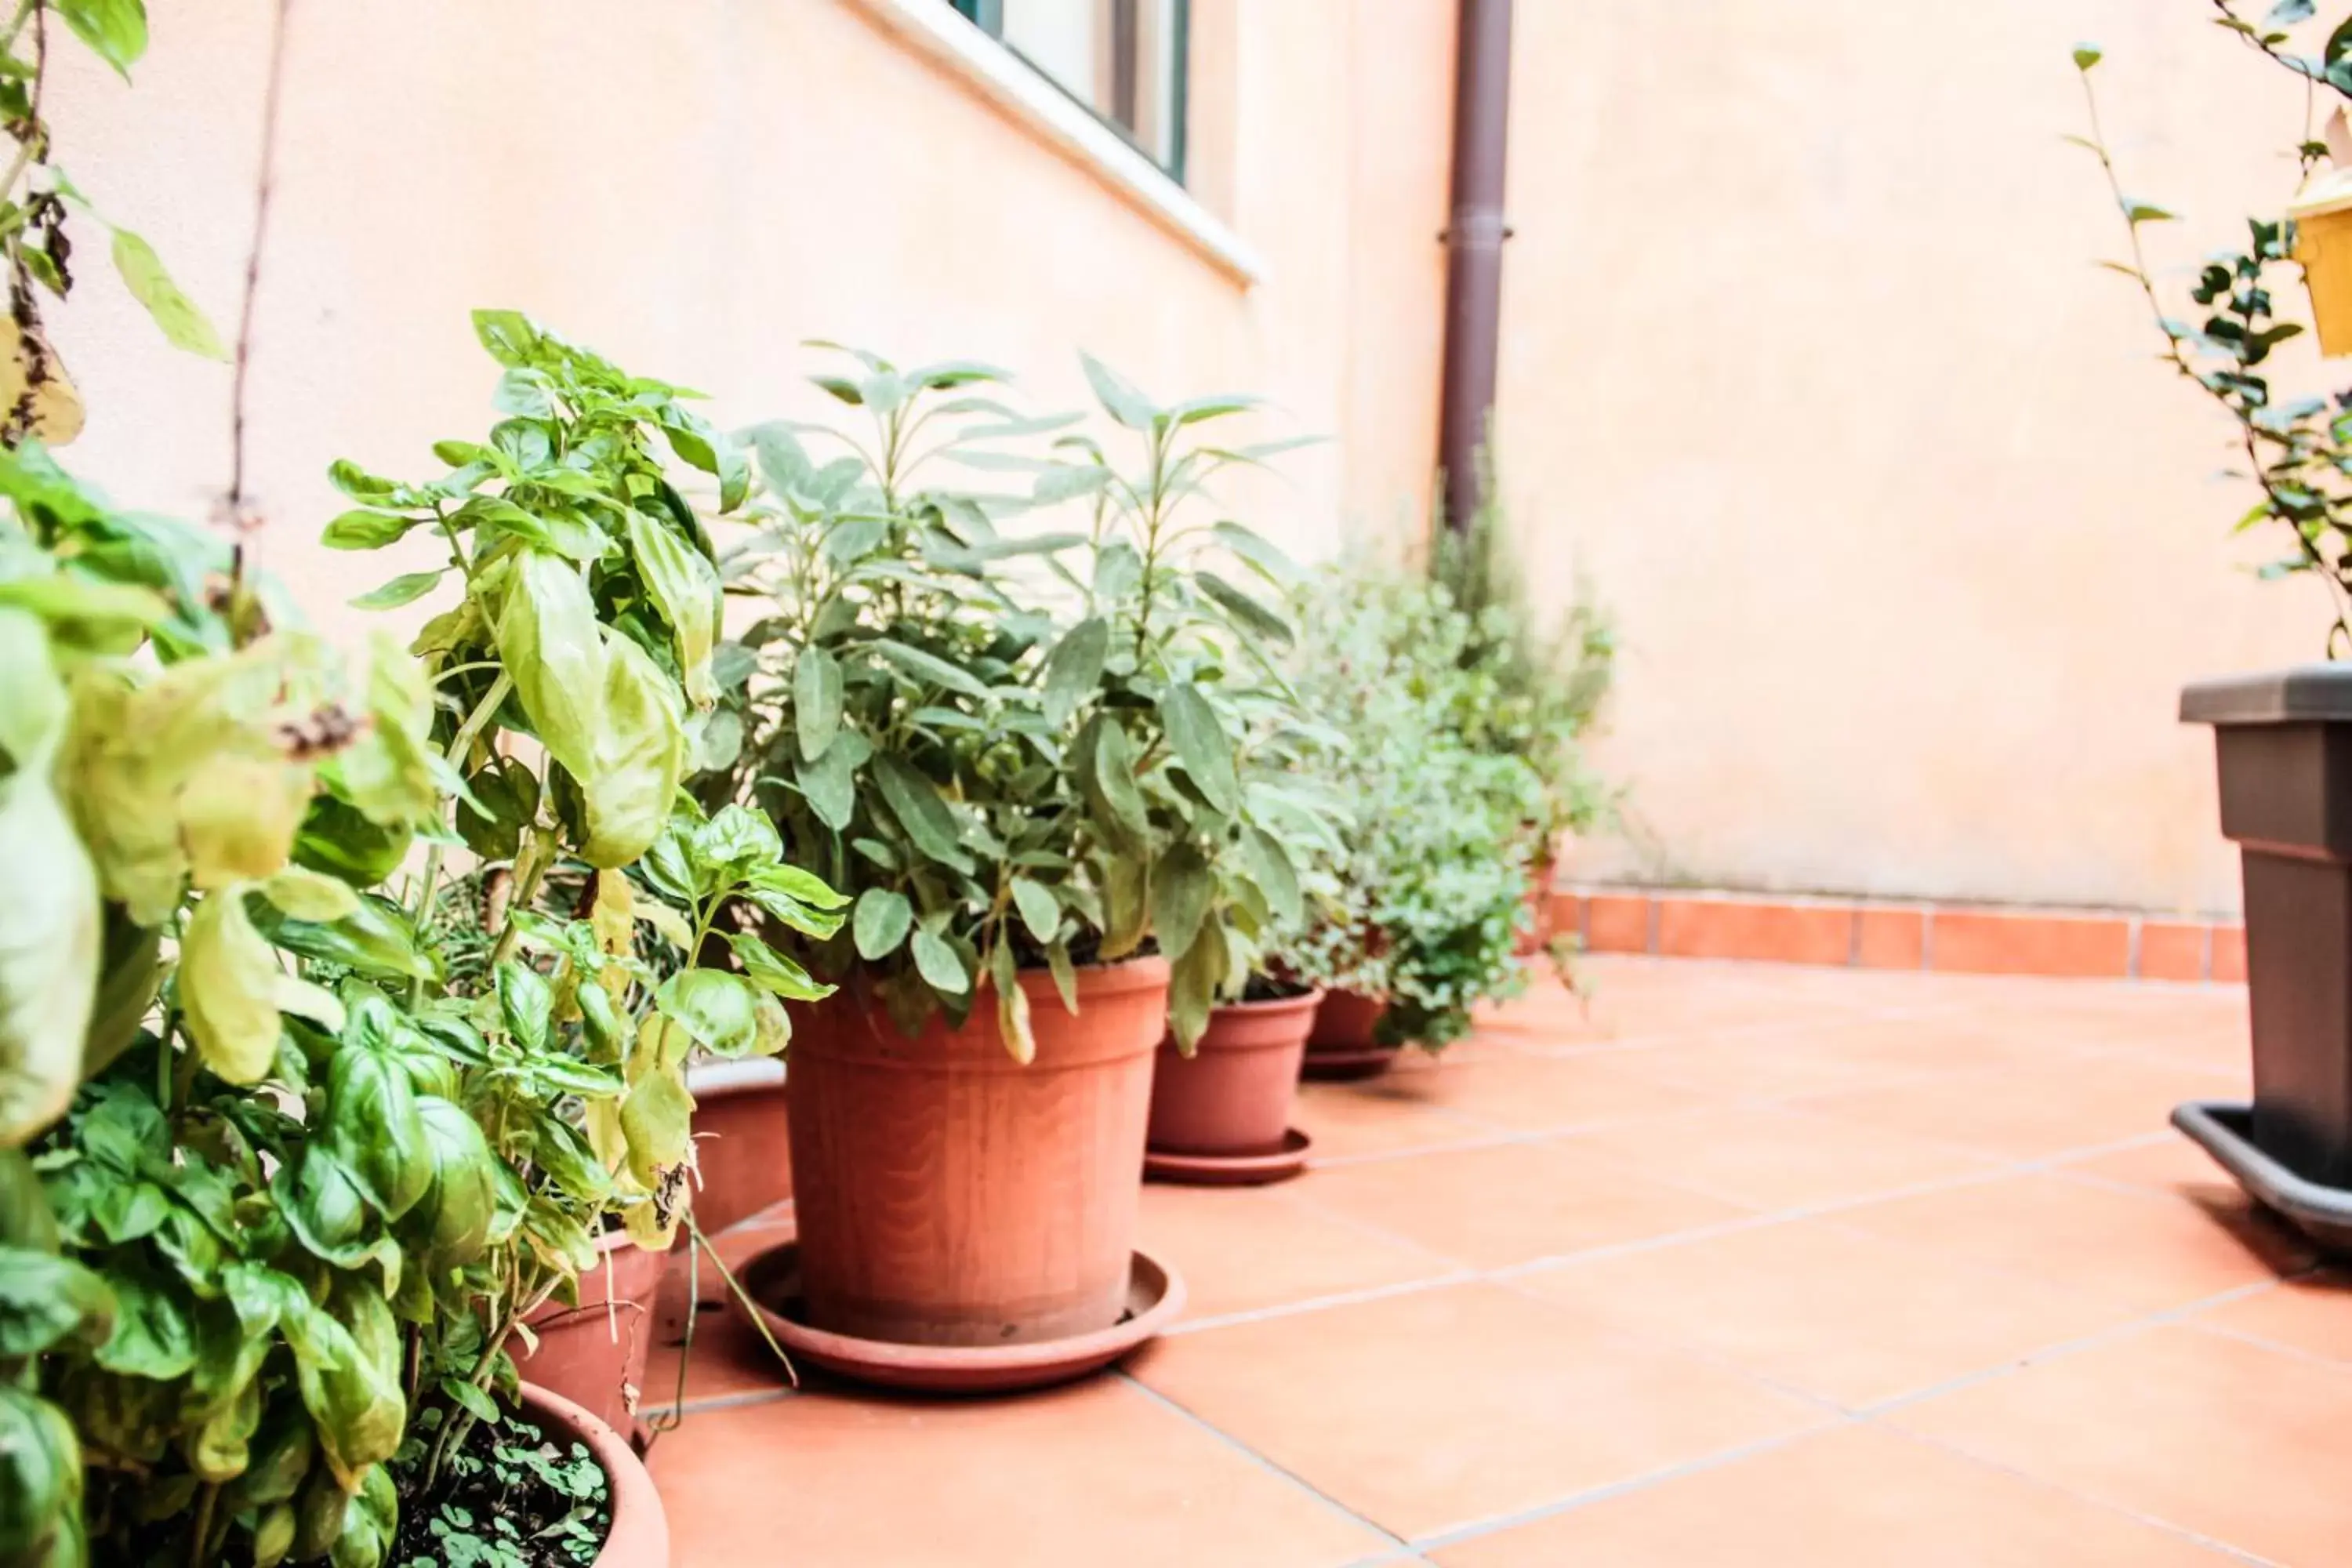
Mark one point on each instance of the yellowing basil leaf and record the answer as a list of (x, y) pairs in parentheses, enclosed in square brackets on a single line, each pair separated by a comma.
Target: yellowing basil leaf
[(551, 644), (229, 984), (51, 928), (686, 587), (638, 757), (658, 1120)]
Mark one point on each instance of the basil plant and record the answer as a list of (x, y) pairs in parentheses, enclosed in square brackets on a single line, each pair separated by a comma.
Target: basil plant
[(1424, 905), (1016, 747), (287, 1169)]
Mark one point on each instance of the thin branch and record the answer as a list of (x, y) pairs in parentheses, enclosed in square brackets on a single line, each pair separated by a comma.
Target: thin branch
[(266, 181)]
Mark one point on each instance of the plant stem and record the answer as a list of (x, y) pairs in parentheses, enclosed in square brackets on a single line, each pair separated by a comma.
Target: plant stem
[(198, 1549)]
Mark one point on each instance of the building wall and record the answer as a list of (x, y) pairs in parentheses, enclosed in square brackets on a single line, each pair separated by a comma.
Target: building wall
[(694, 188), (1807, 365)]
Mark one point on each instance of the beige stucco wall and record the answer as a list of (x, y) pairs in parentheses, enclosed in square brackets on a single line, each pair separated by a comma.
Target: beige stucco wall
[(696, 186), (1806, 361)]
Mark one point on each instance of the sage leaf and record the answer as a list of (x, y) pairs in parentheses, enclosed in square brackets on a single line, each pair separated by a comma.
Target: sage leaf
[(937, 962), (1182, 885), (916, 801), (1039, 909), (880, 922), (1201, 744), (817, 701), (1074, 670)]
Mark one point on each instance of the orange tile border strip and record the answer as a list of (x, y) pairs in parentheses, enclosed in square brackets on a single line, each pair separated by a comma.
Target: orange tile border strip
[(1945, 938)]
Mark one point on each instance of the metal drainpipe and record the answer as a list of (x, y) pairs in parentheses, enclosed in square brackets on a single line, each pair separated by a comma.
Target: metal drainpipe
[(1473, 241)]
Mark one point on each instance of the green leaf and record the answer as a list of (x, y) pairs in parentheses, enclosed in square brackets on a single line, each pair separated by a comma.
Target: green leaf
[(1258, 552), (773, 973), (937, 962), (1065, 975), (2287, 13), (45, 1299), (374, 1128), (450, 1224), (1182, 885), (2138, 212), (550, 642), (1201, 744), (361, 529), (407, 588), (40, 1483), (817, 701), (1119, 399), (1245, 611), (1195, 410), (115, 30), (1114, 793), (880, 922), (1270, 865), (1039, 911), (921, 811), (143, 273), (526, 1005), (2088, 55), (830, 782), (924, 667), (715, 1009), (1074, 670)]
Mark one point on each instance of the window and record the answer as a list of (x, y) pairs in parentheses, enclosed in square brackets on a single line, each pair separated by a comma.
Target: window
[(1122, 59)]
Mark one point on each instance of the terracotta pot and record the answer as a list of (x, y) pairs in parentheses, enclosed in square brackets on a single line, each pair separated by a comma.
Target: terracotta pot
[(594, 1355), (947, 1194), (640, 1534), (742, 1140), (1341, 1046), (1232, 1095)]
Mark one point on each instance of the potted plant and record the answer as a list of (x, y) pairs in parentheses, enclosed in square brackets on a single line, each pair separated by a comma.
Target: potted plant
[(1017, 751), (1545, 691), (1431, 894), (334, 1136), (2284, 741), (1221, 1103)]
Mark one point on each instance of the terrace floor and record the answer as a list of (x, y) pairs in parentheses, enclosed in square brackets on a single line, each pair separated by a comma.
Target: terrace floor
[(1741, 1266)]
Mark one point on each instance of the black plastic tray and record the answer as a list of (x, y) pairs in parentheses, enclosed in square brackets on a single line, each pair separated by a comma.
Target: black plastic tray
[(2225, 1130)]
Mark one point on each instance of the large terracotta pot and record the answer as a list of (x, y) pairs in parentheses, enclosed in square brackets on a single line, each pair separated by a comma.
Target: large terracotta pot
[(594, 1355), (640, 1534), (1341, 1045), (947, 1194), (742, 1140), (1232, 1095)]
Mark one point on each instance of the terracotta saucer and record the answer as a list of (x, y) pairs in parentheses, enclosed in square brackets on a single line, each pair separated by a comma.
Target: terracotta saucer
[(1155, 1294), (1347, 1063), (1230, 1170)]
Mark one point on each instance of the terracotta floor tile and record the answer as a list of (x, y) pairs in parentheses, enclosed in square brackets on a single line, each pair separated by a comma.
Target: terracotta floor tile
[(2313, 1314), (1438, 1409), (1381, 1116), (1535, 1093), (2169, 1162), (729, 1356), (1097, 1473), (1770, 1157), (1510, 1204), (1242, 1249), (2142, 1251), (1827, 1311), (1855, 1496), (2066, 1104), (2242, 1444)]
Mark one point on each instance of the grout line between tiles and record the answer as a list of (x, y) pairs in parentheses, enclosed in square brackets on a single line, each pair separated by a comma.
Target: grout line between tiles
[(1458, 1276), (2152, 1522), (1499, 1522), (1405, 1548)]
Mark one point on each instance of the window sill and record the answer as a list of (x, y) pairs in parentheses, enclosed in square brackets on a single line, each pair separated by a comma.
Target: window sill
[(933, 27)]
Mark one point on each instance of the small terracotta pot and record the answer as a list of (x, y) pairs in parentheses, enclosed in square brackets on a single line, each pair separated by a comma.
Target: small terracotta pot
[(594, 1355), (946, 1195), (743, 1140), (1341, 1046), (640, 1534), (1232, 1095)]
